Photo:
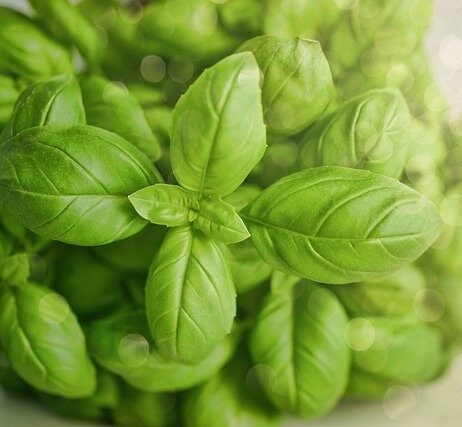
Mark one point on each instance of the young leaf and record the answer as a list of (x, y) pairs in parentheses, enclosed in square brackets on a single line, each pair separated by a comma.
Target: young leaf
[(122, 345), (219, 221), (165, 204), (298, 344), (337, 225), (70, 183), (27, 51), (190, 296), (218, 134), (44, 342), (369, 132), (111, 107), (56, 101), (297, 83)]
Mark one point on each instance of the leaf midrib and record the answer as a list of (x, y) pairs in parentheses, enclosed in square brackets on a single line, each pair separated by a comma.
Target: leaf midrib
[(322, 238)]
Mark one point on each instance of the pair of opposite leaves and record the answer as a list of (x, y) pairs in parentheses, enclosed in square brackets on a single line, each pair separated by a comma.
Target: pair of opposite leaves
[(318, 223)]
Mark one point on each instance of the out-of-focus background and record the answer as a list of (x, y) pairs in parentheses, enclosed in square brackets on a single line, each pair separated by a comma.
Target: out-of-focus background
[(436, 405)]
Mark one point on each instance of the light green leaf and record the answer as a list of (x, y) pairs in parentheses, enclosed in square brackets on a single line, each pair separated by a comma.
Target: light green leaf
[(385, 351), (65, 21), (8, 95), (122, 345), (369, 132), (190, 296), (70, 183), (44, 342), (219, 221), (218, 134), (297, 82), (165, 204), (111, 107), (337, 225), (56, 101), (228, 400), (297, 343), (27, 51)]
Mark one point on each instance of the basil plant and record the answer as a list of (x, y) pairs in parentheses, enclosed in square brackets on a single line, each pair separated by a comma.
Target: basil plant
[(223, 213)]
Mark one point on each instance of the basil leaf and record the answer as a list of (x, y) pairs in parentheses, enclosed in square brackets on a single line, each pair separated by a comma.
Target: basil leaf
[(337, 225), (191, 279), (392, 295), (369, 132), (122, 345), (218, 134), (242, 196), (219, 221), (111, 107), (134, 254), (8, 95), (165, 204), (389, 23), (299, 347), (66, 22), (15, 270), (310, 19), (385, 349), (27, 51), (155, 28), (297, 84), (248, 268), (70, 183), (228, 400), (44, 342), (138, 408), (93, 408), (57, 101), (88, 286)]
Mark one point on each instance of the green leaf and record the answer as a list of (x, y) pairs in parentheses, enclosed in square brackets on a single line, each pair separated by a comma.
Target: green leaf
[(190, 296), (385, 349), (297, 343), (207, 45), (56, 101), (15, 270), (27, 51), (310, 19), (111, 107), (219, 221), (218, 134), (165, 204), (89, 286), (44, 342), (8, 95), (248, 268), (242, 196), (122, 345), (392, 295), (338, 225), (138, 408), (134, 254), (66, 22), (297, 82), (369, 132), (70, 183), (93, 408), (228, 400), (394, 25)]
